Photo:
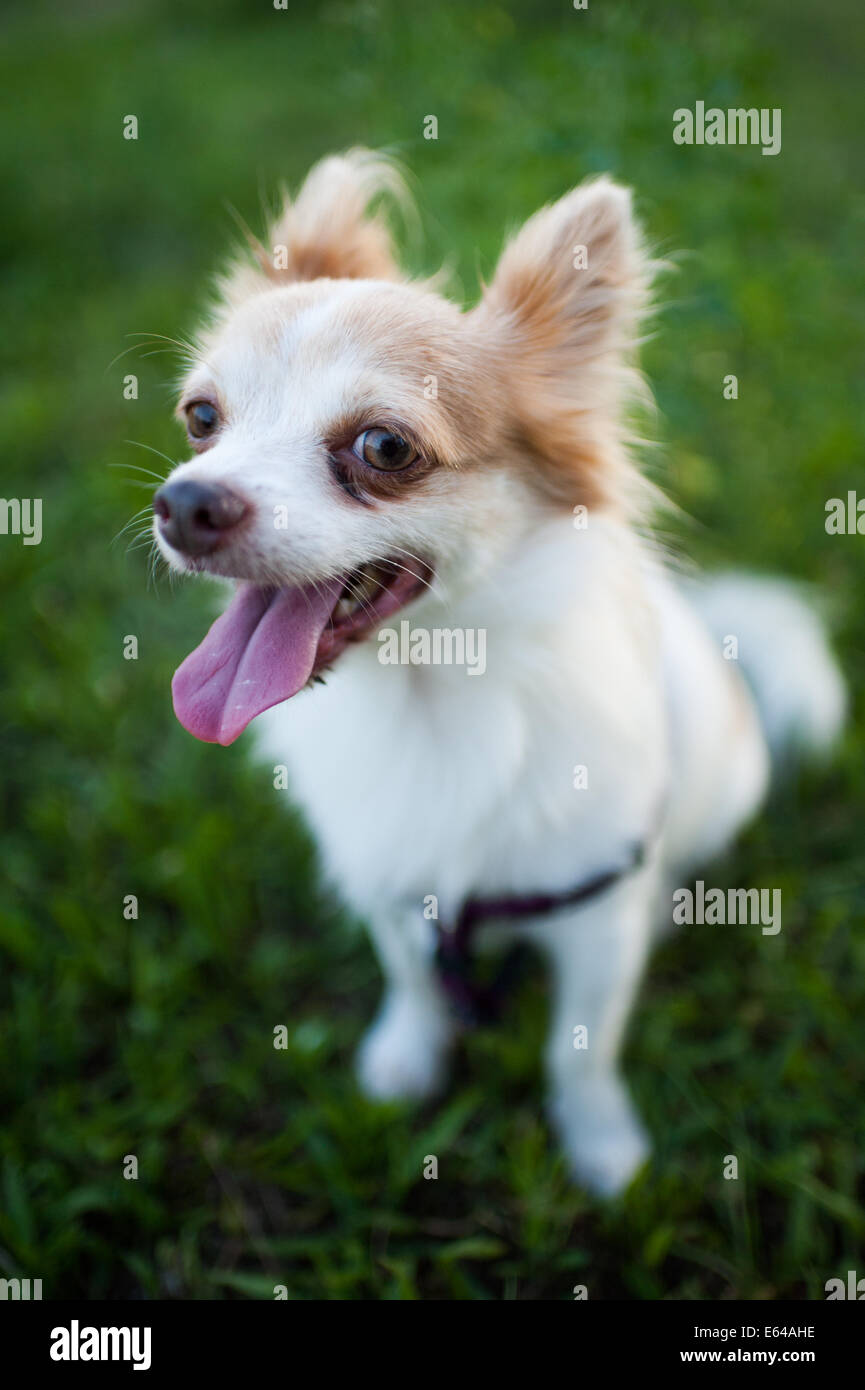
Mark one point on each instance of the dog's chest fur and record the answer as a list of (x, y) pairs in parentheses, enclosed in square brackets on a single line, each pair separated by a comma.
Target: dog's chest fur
[(422, 780)]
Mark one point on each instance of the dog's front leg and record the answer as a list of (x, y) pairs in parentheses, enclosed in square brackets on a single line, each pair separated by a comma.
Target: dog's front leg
[(597, 953), (405, 1052)]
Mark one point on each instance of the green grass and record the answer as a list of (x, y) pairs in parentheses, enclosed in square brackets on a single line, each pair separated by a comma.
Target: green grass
[(154, 1037)]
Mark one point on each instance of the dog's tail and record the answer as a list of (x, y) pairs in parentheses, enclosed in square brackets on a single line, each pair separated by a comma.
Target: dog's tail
[(776, 634)]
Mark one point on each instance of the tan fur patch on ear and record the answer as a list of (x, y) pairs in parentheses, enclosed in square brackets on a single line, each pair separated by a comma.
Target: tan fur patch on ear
[(561, 317), (327, 232)]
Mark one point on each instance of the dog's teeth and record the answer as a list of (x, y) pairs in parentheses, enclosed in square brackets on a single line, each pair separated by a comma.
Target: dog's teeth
[(367, 585), (344, 608), (364, 586)]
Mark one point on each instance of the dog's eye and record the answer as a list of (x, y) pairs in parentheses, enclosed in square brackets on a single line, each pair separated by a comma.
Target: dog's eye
[(202, 419), (385, 450)]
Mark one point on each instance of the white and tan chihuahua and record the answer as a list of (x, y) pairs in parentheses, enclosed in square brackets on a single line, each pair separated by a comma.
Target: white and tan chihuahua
[(363, 446)]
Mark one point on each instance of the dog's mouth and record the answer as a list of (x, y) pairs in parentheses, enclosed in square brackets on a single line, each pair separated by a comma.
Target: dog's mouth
[(271, 641)]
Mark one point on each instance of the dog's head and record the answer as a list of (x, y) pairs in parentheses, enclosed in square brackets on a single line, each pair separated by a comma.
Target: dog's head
[(358, 438)]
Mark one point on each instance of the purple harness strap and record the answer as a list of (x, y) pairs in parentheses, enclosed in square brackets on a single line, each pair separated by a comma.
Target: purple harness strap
[(474, 1002)]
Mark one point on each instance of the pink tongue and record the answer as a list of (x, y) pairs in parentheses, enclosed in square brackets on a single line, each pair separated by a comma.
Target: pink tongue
[(261, 651)]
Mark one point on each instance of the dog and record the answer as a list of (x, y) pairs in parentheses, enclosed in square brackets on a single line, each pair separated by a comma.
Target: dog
[(374, 465)]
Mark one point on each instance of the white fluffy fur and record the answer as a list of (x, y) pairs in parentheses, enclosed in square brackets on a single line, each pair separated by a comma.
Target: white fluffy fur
[(421, 780)]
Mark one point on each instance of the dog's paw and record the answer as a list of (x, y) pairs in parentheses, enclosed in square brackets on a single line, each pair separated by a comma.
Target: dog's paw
[(404, 1054), (604, 1142)]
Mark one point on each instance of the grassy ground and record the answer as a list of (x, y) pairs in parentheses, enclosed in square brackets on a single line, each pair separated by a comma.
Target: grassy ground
[(154, 1037)]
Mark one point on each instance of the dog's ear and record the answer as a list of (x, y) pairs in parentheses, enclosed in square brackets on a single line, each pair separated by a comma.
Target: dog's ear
[(561, 318), (328, 230)]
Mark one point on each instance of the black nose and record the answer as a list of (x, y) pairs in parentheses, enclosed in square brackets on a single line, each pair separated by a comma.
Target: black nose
[(194, 517)]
